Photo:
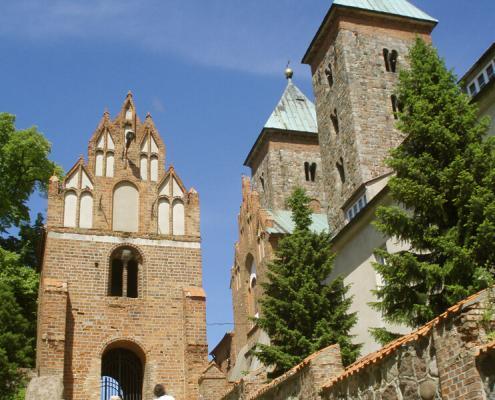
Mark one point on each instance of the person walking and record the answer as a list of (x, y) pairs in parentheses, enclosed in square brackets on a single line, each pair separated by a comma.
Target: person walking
[(160, 393)]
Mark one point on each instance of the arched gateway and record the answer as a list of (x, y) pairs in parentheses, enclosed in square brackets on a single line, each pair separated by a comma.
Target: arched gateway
[(122, 374)]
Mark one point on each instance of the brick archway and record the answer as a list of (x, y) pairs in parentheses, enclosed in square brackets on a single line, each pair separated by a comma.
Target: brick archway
[(122, 371)]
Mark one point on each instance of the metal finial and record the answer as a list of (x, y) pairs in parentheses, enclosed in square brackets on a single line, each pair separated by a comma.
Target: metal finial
[(289, 73)]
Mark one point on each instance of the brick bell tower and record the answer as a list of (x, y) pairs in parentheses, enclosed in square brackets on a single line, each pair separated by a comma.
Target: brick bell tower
[(121, 304)]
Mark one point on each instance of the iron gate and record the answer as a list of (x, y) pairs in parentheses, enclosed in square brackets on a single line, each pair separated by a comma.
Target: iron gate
[(121, 375)]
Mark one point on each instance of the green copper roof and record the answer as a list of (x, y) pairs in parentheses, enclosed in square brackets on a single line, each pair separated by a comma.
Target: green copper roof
[(294, 112), (283, 224), (396, 7)]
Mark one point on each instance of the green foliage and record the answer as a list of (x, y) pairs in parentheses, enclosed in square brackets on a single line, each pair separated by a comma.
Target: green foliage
[(300, 311), (383, 336), (18, 286), (24, 167), (27, 243), (444, 186)]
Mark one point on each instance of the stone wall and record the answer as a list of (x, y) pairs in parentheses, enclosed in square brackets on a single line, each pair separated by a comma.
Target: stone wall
[(280, 163), (451, 357), (301, 382), (359, 98), (438, 361)]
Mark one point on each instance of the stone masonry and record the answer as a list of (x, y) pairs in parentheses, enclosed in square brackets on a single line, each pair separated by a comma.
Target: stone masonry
[(349, 47), (280, 163), (162, 319), (449, 358)]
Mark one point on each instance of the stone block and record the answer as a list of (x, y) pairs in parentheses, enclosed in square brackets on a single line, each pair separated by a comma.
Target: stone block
[(49, 387)]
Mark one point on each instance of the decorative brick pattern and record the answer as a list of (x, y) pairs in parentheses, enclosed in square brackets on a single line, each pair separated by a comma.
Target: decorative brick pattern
[(165, 326)]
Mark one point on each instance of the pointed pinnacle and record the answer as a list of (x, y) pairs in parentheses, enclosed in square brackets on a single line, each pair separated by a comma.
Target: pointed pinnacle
[(129, 94)]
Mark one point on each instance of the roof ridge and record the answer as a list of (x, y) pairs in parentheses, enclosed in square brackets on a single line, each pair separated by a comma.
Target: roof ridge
[(403, 8), (293, 112)]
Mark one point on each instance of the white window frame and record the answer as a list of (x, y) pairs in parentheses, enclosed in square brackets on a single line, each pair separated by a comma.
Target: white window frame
[(355, 208), (486, 78)]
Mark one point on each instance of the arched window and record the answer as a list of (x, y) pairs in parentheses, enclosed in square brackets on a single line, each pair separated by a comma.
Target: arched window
[(125, 207), (124, 272), (143, 167), (340, 169), (86, 211), (306, 170), (70, 209), (385, 60), (312, 172), (154, 168), (335, 121), (163, 216), (390, 60), (104, 156), (393, 60), (99, 163), (329, 74), (252, 282), (148, 162), (396, 106), (178, 217), (109, 164)]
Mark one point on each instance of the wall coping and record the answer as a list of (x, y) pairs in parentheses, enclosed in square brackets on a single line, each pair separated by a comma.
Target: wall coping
[(290, 373), (414, 336)]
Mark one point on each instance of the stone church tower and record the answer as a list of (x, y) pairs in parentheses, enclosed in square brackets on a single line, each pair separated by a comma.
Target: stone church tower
[(121, 304), (355, 58)]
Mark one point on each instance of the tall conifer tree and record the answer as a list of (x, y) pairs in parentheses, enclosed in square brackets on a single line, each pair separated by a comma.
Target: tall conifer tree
[(444, 191), (300, 311)]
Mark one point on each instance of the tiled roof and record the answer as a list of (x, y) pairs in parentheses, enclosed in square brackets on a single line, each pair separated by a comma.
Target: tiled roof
[(396, 7), (283, 223), (486, 348), (294, 112), (294, 370), (394, 345)]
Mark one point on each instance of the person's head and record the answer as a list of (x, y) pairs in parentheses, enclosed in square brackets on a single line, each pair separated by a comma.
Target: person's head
[(159, 390)]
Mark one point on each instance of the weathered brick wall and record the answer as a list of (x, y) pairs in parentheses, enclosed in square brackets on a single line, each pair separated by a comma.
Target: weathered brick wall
[(51, 342), (165, 326), (157, 319), (253, 243), (360, 95), (213, 383)]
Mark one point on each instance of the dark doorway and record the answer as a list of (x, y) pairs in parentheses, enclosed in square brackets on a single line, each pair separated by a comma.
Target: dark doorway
[(121, 375)]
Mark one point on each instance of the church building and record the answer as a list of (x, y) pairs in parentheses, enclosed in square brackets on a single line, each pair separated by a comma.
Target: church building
[(336, 150), (121, 304)]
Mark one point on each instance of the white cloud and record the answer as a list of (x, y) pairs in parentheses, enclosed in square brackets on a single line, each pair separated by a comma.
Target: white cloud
[(256, 36)]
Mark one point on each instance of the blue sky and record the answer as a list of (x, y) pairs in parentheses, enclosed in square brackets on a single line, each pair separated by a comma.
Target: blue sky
[(210, 72)]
